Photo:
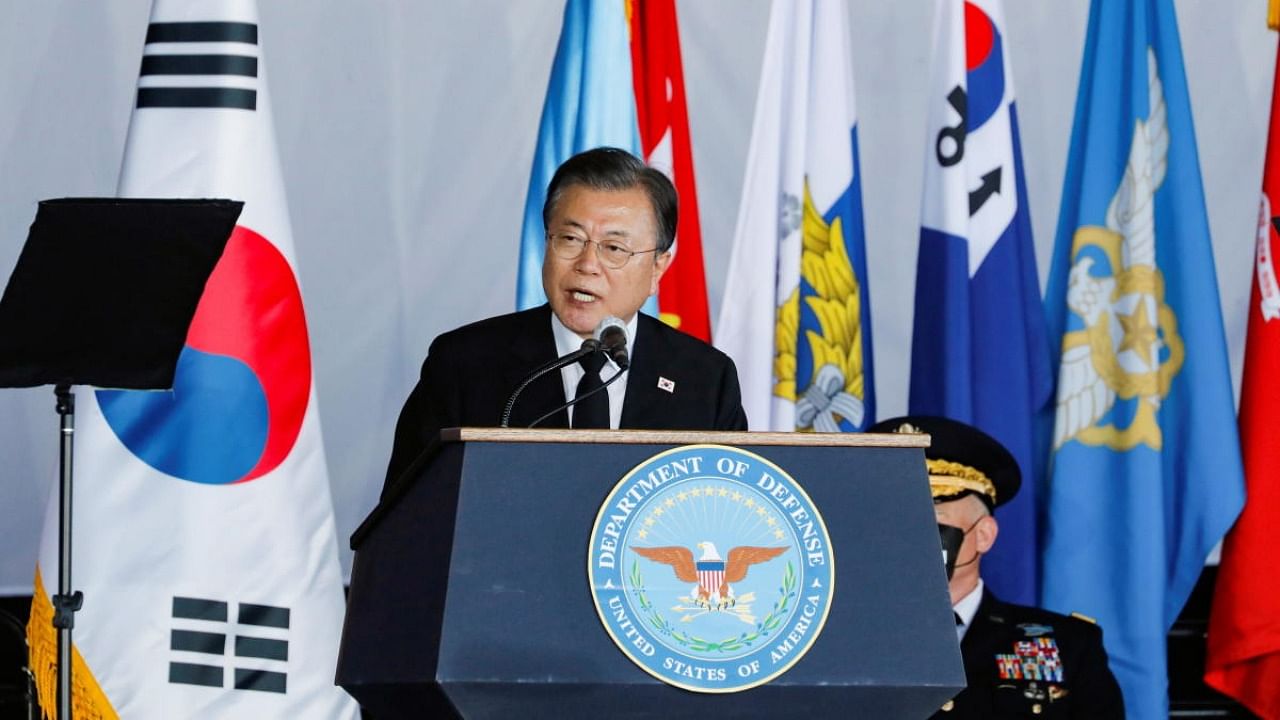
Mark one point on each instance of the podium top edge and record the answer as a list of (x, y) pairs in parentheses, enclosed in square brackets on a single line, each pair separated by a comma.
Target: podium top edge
[(685, 437)]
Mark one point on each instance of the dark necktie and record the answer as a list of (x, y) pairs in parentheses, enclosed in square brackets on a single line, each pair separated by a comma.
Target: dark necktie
[(594, 411), (959, 621)]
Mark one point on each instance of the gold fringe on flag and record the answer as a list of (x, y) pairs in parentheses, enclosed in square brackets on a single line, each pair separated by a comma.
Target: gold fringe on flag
[(1273, 14), (88, 702)]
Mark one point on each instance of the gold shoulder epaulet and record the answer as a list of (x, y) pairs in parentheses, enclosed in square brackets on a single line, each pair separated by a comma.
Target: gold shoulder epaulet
[(1086, 618)]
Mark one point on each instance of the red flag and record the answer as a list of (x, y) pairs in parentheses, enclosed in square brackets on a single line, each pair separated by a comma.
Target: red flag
[(664, 136), (1244, 626)]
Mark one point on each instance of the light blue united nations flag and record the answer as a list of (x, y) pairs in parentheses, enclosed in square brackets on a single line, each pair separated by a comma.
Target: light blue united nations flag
[(590, 103), (1145, 467)]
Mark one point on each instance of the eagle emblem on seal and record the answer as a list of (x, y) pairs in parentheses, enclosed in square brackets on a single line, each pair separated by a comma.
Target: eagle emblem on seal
[(713, 575)]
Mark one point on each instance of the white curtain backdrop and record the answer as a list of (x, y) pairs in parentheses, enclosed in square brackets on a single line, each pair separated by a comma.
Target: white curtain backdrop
[(406, 134)]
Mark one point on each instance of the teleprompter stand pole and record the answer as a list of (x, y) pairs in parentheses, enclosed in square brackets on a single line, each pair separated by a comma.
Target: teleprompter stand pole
[(66, 602), (64, 322)]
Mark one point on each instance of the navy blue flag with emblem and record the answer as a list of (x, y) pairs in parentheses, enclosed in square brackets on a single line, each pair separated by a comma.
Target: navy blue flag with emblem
[(979, 352), (1145, 472)]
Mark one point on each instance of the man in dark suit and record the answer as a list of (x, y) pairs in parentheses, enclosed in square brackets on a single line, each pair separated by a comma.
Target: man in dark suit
[(610, 223), (1019, 661)]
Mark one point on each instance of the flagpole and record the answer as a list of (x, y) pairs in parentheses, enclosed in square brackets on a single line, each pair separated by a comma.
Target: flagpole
[(66, 602)]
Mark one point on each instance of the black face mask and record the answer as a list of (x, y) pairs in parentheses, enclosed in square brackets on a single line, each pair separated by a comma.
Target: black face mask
[(952, 538)]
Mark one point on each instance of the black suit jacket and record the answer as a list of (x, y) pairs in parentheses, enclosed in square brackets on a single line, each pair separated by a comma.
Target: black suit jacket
[(1087, 688), (470, 372)]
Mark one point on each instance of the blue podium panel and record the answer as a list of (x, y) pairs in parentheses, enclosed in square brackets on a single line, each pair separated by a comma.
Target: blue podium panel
[(472, 594)]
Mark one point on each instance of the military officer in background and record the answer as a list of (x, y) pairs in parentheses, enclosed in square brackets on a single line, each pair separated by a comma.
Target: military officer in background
[(1019, 661)]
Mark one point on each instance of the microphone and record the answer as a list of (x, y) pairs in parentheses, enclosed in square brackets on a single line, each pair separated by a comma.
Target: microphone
[(589, 346), (577, 400), (612, 334)]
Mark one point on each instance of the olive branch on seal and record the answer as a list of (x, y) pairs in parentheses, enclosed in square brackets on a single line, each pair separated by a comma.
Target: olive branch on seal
[(762, 629)]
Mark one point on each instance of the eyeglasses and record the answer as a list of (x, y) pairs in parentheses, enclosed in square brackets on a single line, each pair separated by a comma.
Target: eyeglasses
[(612, 254)]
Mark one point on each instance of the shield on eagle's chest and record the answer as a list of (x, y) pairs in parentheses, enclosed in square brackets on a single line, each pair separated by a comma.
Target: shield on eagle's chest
[(711, 575)]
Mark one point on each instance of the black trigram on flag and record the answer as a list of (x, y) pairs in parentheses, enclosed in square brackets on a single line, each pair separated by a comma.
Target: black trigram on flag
[(204, 641), (200, 65)]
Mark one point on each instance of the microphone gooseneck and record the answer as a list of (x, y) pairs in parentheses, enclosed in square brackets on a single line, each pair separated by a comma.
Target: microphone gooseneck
[(579, 399), (589, 346)]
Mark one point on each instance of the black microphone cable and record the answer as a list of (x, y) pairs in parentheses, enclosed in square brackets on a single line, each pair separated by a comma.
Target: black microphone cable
[(589, 346), (576, 400)]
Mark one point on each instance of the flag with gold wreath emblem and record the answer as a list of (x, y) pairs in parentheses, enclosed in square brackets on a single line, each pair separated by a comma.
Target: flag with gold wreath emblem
[(795, 316)]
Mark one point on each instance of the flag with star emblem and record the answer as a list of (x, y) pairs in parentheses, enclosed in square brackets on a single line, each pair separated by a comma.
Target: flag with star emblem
[(1145, 473)]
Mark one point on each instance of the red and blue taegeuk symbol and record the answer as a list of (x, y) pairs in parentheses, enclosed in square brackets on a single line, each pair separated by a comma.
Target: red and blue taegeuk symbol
[(984, 65), (243, 379)]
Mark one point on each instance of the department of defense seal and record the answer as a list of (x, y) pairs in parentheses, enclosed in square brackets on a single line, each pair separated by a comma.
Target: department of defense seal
[(711, 568)]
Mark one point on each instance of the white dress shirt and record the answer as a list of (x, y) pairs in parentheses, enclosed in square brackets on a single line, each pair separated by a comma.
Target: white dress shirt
[(967, 608), (566, 342)]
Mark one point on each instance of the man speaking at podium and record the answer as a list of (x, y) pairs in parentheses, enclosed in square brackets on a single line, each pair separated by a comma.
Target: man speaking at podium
[(1019, 661), (610, 223)]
